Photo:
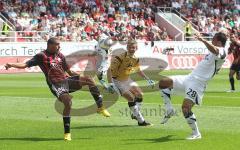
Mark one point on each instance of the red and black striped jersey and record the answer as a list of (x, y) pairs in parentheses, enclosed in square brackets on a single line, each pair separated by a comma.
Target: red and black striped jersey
[(53, 65), (235, 50)]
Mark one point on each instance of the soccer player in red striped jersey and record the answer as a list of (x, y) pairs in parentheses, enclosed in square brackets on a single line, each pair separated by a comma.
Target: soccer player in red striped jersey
[(235, 67), (54, 66)]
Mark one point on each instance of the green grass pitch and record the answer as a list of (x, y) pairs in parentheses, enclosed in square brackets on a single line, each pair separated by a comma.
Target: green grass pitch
[(28, 119)]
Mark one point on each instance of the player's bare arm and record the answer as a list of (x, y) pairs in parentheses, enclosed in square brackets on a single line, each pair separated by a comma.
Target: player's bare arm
[(16, 65), (144, 76), (209, 45)]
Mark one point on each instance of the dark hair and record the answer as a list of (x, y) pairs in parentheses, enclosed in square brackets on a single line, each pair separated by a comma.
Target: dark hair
[(52, 41), (221, 37)]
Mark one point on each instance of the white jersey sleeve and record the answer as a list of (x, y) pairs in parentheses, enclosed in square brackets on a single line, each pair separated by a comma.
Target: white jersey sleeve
[(210, 65)]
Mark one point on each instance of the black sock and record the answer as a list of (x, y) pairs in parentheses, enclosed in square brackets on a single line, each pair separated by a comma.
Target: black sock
[(138, 99), (96, 95), (66, 124), (131, 104), (232, 83)]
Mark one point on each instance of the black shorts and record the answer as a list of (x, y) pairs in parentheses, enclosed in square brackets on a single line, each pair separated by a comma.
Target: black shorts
[(235, 67), (69, 85)]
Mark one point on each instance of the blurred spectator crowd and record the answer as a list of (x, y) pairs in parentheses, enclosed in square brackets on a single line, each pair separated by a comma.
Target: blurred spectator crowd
[(85, 20), (210, 16)]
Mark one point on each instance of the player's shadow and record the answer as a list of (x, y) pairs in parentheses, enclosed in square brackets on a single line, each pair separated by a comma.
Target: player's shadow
[(215, 92), (163, 139), (34, 139), (102, 126)]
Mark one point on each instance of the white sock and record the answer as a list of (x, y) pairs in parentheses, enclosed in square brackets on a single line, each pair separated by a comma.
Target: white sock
[(137, 113), (193, 124), (139, 105), (138, 101), (166, 95)]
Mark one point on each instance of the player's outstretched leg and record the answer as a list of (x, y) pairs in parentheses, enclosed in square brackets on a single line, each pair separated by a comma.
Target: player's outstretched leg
[(169, 110), (191, 119), (66, 100), (96, 95), (165, 86)]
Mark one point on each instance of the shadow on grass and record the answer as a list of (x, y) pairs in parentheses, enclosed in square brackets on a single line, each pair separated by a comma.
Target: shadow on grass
[(107, 126), (35, 139), (163, 139), (217, 92)]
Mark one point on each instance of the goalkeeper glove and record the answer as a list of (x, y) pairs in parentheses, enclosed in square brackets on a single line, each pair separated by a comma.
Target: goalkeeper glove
[(151, 83)]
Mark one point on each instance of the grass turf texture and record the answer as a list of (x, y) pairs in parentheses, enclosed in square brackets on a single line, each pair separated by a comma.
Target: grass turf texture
[(29, 120)]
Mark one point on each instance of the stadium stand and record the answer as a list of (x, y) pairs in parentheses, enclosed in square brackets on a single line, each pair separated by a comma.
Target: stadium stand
[(85, 20)]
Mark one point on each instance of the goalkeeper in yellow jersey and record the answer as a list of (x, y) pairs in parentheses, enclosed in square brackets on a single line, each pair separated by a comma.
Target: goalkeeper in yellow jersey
[(119, 80)]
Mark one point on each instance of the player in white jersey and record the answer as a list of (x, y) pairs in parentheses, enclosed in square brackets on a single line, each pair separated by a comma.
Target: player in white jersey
[(102, 49), (192, 86)]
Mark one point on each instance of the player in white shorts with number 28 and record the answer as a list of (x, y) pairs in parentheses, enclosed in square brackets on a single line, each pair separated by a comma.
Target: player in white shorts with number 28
[(192, 86)]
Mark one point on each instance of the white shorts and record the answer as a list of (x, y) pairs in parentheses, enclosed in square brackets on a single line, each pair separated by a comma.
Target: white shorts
[(122, 87), (189, 86)]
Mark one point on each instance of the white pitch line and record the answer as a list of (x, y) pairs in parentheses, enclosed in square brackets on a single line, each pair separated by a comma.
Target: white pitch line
[(87, 100)]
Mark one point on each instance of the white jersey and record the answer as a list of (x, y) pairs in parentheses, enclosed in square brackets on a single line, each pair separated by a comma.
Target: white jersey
[(104, 45), (210, 65)]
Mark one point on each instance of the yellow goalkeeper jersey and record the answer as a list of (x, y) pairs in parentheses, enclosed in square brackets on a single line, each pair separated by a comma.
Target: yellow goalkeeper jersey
[(124, 65)]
